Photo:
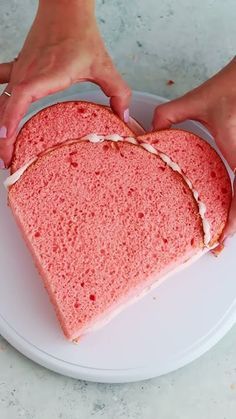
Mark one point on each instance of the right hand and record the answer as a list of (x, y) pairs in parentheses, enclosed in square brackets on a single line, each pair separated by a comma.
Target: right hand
[(63, 47), (214, 105)]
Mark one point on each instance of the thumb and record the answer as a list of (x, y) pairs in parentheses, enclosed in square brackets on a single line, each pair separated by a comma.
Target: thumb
[(186, 107), (5, 72), (231, 224), (22, 95)]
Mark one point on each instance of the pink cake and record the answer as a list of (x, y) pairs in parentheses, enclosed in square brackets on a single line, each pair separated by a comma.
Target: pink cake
[(105, 218), (203, 167), (66, 121)]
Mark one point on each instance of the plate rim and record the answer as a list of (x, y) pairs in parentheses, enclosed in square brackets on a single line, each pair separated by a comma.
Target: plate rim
[(101, 375)]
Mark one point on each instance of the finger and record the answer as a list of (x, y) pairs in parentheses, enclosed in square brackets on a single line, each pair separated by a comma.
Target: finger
[(6, 154), (3, 100), (22, 95), (12, 110), (226, 141), (5, 72), (230, 229), (3, 130), (186, 107), (113, 85)]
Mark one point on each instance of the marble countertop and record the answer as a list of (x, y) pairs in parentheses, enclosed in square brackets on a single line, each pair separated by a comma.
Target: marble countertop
[(203, 389), (151, 42)]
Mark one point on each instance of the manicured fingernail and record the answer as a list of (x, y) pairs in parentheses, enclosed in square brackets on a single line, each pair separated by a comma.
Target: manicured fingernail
[(2, 165), (126, 116), (3, 132)]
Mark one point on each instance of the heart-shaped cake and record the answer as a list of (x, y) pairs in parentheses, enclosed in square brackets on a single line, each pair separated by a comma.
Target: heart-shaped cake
[(107, 214)]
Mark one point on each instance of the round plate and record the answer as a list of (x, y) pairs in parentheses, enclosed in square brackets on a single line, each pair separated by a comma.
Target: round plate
[(173, 325)]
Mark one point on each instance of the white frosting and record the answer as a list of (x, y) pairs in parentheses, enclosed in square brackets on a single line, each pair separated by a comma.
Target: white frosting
[(148, 147), (131, 140), (10, 180), (95, 138), (201, 206), (113, 137)]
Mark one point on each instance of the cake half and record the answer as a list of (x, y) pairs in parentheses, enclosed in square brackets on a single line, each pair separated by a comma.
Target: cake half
[(108, 216)]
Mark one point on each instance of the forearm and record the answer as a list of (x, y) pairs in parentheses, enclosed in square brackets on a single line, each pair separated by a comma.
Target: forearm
[(68, 11), (84, 6), (64, 17)]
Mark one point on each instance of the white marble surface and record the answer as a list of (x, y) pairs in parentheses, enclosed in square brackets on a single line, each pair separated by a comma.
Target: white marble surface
[(204, 389), (151, 41)]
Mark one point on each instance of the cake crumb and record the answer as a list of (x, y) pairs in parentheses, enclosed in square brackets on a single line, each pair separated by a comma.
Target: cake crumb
[(170, 82)]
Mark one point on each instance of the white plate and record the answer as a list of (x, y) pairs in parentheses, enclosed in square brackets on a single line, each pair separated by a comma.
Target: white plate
[(184, 317)]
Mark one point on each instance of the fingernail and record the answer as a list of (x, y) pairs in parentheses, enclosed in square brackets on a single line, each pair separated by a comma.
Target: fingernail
[(126, 116), (3, 132), (2, 165)]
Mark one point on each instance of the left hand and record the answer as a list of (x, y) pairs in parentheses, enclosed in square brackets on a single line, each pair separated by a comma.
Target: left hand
[(214, 105), (63, 47)]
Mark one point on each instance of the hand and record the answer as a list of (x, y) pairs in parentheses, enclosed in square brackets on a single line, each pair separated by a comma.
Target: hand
[(214, 105), (63, 47)]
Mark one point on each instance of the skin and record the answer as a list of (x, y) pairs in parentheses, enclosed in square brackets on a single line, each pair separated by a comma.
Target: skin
[(63, 47), (214, 105)]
